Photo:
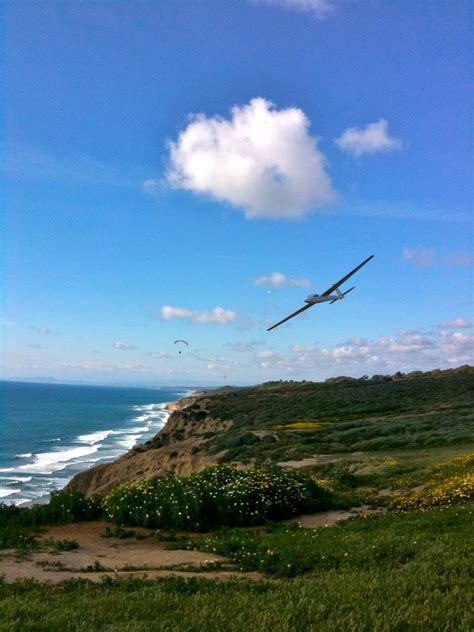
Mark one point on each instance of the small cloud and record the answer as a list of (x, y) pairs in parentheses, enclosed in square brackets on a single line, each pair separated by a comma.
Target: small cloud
[(123, 346), (263, 355), (420, 257), (303, 348), (217, 315), (369, 140), (423, 257), (138, 367), (277, 280), (159, 354), (243, 347), (152, 186), (261, 160), (318, 8), (456, 323), (457, 259), (33, 346)]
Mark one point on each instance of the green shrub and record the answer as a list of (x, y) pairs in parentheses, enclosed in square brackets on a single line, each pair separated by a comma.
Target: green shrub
[(59, 546), (217, 496), (64, 506)]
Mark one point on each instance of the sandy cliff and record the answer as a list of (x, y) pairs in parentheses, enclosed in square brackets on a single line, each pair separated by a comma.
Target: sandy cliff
[(176, 448)]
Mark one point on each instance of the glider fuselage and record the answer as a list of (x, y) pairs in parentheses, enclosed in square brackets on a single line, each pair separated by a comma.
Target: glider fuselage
[(312, 299)]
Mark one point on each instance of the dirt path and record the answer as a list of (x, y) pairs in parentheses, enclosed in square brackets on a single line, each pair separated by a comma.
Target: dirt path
[(330, 518), (99, 556), (121, 558)]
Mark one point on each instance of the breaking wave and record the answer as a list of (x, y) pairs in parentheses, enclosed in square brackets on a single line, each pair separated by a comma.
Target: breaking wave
[(42, 472)]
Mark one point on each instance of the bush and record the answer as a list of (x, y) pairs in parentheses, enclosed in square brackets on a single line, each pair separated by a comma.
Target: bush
[(59, 546), (64, 506), (218, 496)]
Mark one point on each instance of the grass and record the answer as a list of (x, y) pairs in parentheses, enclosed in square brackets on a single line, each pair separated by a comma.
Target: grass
[(368, 543), (411, 572)]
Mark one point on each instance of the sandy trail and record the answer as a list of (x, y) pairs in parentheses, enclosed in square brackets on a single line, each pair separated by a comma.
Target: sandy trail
[(121, 558), (117, 558)]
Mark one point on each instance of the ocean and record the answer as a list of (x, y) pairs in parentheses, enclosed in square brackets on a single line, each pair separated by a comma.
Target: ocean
[(49, 432)]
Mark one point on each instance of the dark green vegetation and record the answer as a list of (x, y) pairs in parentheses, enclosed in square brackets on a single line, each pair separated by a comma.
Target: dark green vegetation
[(122, 534), (63, 507), (361, 415), (59, 546), (19, 525), (410, 572), (218, 496)]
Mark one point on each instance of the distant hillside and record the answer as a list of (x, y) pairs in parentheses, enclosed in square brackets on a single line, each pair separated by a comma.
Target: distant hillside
[(292, 421)]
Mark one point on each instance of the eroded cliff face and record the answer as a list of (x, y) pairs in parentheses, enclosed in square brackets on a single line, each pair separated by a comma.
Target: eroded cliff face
[(176, 448)]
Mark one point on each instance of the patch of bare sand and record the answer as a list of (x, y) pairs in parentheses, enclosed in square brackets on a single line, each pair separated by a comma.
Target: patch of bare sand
[(118, 558), (330, 518)]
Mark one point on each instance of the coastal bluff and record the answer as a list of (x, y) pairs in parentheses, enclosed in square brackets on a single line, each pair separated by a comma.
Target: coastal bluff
[(176, 448), (300, 424)]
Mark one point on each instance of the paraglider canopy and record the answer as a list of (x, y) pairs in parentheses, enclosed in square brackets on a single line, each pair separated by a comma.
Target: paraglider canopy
[(181, 341)]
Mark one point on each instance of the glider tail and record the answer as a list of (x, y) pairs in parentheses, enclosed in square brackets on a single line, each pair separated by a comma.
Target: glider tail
[(341, 295)]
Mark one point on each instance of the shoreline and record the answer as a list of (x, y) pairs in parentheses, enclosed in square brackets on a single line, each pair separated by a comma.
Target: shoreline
[(158, 413)]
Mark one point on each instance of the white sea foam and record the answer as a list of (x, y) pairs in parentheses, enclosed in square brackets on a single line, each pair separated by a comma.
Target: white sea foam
[(127, 442), (20, 479), (49, 462), (23, 456), (94, 437), (8, 491), (153, 415), (16, 501)]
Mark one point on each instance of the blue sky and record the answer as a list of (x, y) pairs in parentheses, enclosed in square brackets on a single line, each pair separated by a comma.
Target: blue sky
[(195, 169)]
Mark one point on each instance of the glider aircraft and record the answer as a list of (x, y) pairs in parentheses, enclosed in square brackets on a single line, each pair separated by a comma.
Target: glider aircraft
[(314, 299)]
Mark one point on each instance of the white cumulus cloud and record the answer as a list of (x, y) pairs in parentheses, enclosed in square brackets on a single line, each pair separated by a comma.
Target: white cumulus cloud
[(123, 346), (302, 348), (410, 350), (457, 347), (456, 323), (420, 256), (368, 140), (261, 160), (423, 257), (277, 279), (217, 315)]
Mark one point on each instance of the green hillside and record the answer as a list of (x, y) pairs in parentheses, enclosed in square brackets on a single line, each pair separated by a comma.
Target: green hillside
[(283, 421)]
